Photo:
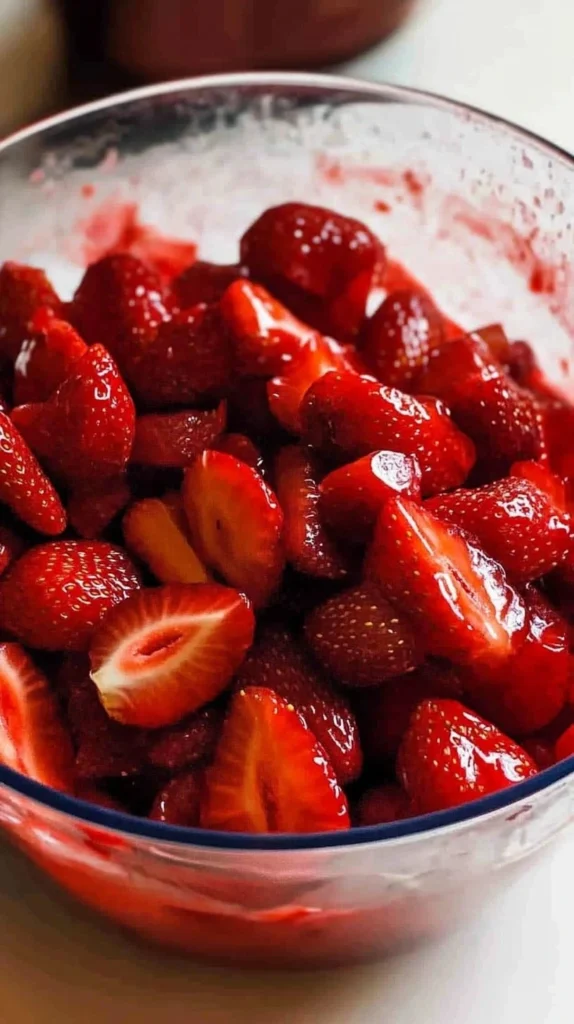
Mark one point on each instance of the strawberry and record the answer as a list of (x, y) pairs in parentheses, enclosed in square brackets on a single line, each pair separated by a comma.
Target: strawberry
[(495, 337), (24, 487), (155, 533), (11, 547), (175, 439), (205, 282), (278, 663), (33, 738), (92, 506), (360, 639), (321, 252), (179, 802), (352, 496), (45, 359), (515, 523), (249, 410), (55, 594), (565, 744), (266, 336), (23, 291), (397, 339), (189, 361), (285, 393), (382, 804), (544, 479), (450, 755), (241, 447), (235, 523), (345, 416), (456, 597), (270, 774), (308, 546), (187, 744), (165, 652)]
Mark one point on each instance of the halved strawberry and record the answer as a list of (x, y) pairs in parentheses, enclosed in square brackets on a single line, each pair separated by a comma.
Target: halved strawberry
[(235, 523), (92, 506), (396, 341), (278, 663), (450, 755), (266, 336), (33, 738), (175, 439), (24, 487), (23, 291), (308, 546), (55, 594), (270, 774), (285, 393), (165, 652), (345, 416), (153, 532), (360, 638), (515, 523), (383, 804), (352, 496), (45, 360), (457, 598), (241, 447), (205, 282), (179, 802)]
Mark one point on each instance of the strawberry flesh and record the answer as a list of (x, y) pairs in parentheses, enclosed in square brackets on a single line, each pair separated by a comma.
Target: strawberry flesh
[(285, 393), (157, 534), (266, 336)]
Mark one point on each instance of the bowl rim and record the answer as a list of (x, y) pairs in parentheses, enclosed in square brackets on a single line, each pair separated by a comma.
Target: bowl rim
[(144, 828)]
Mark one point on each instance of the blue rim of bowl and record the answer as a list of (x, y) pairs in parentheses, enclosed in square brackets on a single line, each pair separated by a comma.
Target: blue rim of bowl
[(144, 828)]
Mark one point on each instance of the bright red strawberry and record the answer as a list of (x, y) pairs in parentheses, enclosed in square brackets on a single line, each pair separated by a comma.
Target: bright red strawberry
[(175, 439), (241, 447), (189, 361), (360, 639), (24, 487), (382, 804), (92, 506), (544, 479), (514, 522), (456, 597), (345, 416), (235, 523), (155, 533), (397, 339), (285, 393), (266, 336), (450, 755), (179, 802), (352, 496), (33, 738), (565, 744), (165, 652), (23, 291), (319, 251), (45, 359), (56, 593), (205, 282), (308, 546), (278, 663), (270, 774), (11, 547), (187, 744)]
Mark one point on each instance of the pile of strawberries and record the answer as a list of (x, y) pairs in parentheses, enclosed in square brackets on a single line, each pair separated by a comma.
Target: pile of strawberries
[(269, 563)]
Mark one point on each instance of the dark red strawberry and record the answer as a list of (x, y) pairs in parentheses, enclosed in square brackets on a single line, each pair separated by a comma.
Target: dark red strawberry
[(278, 663), (175, 439), (397, 339), (23, 291), (45, 359), (179, 802), (24, 487), (157, 533), (319, 356), (381, 805), (266, 336), (187, 744), (11, 547), (93, 506), (205, 282), (249, 410)]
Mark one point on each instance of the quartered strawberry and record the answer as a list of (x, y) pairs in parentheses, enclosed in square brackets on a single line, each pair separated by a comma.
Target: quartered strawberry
[(266, 336), (24, 487), (241, 447), (457, 598), (285, 393), (56, 593), (157, 534), (277, 662), (360, 639), (205, 282), (23, 291), (345, 416), (235, 523), (179, 802), (450, 755), (187, 744), (382, 804), (11, 546), (396, 341), (544, 479), (321, 252), (33, 738), (515, 523), (164, 652), (308, 546), (44, 361), (92, 506), (270, 774), (352, 496), (188, 362), (175, 439)]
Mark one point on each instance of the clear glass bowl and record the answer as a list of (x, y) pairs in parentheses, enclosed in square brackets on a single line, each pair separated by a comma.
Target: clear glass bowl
[(483, 214)]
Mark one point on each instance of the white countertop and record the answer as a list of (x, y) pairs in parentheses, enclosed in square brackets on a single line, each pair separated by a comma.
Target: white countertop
[(515, 964)]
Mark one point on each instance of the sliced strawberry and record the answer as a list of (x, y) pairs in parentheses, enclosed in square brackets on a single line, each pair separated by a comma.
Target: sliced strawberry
[(285, 393), (241, 447), (383, 804), (164, 652), (345, 416), (352, 496), (397, 339), (270, 774), (92, 506), (33, 738), (308, 546), (278, 663), (175, 439), (187, 744), (179, 802), (514, 522), (24, 487), (450, 755), (11, 547), (23, 291), (55, 594), (235, 523), (265, 334), (360, 639), (544, 479), (189, 361), (205, 282), (154, 533), (457, 598), (44, 361)]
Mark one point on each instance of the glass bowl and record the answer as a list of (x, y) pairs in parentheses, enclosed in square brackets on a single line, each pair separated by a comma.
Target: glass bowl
[(483, 214)]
